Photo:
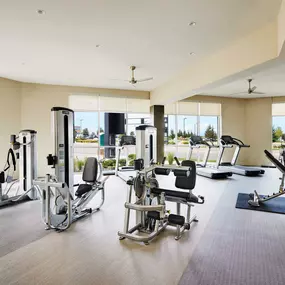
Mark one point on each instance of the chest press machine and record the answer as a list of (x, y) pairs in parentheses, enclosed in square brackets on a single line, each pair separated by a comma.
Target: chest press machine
[(25, 145), (61, 204), (151, 214)]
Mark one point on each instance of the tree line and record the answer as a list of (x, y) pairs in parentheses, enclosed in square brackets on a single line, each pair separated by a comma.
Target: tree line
[(209, 133)]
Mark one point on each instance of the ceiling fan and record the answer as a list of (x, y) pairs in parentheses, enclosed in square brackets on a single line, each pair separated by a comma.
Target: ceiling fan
[(133, 80), (250, 90)]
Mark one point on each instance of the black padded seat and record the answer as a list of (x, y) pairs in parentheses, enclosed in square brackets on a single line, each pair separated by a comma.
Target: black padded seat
[(89, 176), (82, 189), (176, 194)]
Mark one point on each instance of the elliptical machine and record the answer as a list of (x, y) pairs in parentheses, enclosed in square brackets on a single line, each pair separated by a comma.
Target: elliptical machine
[(23, 148), (61, 204)]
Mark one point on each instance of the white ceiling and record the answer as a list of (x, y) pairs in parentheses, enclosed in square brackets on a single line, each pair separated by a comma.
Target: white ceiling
[(60, 46), (271, 82)]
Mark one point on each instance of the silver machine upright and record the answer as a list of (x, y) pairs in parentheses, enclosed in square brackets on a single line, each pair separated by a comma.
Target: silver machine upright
[(152, 216), (61, 204), (24, 148)]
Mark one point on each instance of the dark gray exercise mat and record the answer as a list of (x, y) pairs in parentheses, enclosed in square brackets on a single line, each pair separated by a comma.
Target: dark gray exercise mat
[(238, 248), (276, 205), (20, 225)]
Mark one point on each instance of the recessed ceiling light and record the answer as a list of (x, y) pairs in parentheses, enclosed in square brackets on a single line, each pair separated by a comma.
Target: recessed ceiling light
[(192, 53), (41, 12), (97, 46), (192, 23)]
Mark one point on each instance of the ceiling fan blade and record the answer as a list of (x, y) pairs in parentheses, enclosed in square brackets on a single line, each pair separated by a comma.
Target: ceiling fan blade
[(116, 79), (258, 93), (239, 93), (145, 79), (253, 89)]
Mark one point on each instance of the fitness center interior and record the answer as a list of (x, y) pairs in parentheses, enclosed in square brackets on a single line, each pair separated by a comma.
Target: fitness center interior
[(142, 142)]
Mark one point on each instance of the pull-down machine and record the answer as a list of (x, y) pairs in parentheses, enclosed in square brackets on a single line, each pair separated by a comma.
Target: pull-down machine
[(25, 145), (61, 204), (229, 142), (203, 170)]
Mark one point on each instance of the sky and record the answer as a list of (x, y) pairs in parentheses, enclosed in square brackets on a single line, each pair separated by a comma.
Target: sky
[(90, 120), (279, 122), (191, 123)]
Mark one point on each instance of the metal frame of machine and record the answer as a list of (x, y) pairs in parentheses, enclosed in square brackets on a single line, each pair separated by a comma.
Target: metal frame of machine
[(153, 219), (255, 198), (58, 189), (25, 144)]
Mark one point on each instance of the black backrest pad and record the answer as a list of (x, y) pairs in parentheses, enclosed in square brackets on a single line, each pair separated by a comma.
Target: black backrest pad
[(90, 170), (277, 163), (190, 181)]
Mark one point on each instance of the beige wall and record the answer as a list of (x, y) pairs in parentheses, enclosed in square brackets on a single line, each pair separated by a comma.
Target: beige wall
[(249, 120), (10, 114), (258, 131), (37, 101)]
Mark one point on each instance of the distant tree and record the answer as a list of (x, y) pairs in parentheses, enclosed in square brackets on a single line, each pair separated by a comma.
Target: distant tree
[(179, 133), (85, 133), (172, 135), (132, 133), (184, 134), (92, 135), (274, 138), (278, 133), (210, 133)]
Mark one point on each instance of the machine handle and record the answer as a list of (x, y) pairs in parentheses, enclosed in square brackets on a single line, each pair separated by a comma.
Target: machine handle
[(177, 161), (163, 161), (181, 172)]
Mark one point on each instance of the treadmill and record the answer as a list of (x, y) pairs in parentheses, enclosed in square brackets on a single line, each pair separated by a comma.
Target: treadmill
[(125, 142), (202, 169), (229, 142)]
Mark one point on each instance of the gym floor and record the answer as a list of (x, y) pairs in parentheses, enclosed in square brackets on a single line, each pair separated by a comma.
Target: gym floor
[(223, 248)]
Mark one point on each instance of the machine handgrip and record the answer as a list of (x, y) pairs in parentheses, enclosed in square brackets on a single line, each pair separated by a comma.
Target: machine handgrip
[(177, 161), (163, 161), (180, 172), (161, 171)]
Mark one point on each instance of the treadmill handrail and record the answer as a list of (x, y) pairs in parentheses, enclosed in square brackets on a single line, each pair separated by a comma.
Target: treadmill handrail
[(240, 143)]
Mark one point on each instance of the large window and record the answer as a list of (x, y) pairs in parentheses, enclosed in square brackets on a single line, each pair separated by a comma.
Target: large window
[(184, 119), (90, 123), (278, 128)]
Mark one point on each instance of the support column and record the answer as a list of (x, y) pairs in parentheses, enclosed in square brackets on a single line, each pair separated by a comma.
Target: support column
[(157, 112)]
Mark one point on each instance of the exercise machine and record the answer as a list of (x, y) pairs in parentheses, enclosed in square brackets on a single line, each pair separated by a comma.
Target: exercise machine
[(152, 216), (61, 204), (256, 199), (23, 148), (125, 143), (229, 142), (196, 142)]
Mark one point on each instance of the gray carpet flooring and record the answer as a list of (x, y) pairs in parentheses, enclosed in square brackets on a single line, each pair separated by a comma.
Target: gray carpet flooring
[(20, 225), (239, 247)]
